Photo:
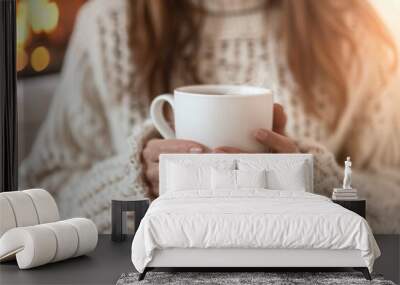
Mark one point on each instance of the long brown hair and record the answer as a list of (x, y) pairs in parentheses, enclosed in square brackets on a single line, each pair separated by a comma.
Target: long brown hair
[(320, 39)]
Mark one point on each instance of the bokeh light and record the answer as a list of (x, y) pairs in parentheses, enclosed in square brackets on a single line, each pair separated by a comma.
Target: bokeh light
[(34, 17), (44, 15), (40, 58)]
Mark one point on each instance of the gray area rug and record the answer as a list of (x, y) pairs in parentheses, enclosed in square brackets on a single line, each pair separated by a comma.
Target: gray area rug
[(269, 278)]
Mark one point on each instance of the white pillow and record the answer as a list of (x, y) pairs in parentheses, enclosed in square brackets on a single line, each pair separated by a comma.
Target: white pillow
[(237, 179), (223, 179), (184, 177), (281, 174), (251, 178), (291, 178)]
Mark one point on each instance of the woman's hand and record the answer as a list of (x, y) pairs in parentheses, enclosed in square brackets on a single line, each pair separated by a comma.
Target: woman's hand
[(152, 151), (274, 141)]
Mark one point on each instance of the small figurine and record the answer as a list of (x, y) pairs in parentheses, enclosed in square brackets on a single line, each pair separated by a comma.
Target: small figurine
[(347, 174), (346, 192)]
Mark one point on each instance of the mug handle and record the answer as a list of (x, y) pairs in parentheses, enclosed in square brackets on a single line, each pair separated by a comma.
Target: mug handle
[(157, 115)]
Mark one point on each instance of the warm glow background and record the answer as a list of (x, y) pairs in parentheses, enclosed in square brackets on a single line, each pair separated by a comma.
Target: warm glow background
[(390, 11), (43, 30), (44, 27)]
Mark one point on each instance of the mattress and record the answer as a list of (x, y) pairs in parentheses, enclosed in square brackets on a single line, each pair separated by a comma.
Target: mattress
[(250, 219)]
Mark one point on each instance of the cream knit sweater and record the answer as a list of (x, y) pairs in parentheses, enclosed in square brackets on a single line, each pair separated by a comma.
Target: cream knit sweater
[(83, 154)]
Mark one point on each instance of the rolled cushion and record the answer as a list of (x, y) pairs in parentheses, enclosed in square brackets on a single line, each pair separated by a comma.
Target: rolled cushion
[(40, 244), (26, 208), (46, 207), (33, 246), (23, 208), (87, 234), (67, 239), (7, 218)]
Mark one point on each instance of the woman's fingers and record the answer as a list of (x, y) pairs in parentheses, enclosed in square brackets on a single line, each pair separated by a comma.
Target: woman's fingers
[(279, 121), (276, 142), (151, 153), (151, 172), (153, 191), (227, 149), (155, 147)]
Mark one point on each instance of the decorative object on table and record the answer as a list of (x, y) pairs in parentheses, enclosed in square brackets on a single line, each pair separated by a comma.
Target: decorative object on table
[(347, 174), (346, 192), (31, 233), (356, 206), (118, 215), (243, 278)]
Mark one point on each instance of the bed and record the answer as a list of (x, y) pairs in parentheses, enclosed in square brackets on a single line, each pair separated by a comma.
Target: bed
[(247, 211)]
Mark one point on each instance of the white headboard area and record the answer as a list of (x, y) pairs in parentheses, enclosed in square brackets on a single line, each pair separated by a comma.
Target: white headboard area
[(234, 160)]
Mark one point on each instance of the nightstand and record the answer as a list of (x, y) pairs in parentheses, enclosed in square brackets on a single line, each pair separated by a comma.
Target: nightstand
[(118, 215), (357, 206)]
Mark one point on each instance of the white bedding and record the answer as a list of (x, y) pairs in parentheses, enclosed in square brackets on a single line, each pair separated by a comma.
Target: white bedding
[(250, 218)]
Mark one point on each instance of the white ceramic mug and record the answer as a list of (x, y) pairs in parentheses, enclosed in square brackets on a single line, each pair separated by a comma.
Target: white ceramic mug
[(216, 115)]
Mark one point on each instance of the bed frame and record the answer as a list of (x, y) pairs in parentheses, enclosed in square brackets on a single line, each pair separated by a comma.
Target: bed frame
[(245, 259), (250, 259)]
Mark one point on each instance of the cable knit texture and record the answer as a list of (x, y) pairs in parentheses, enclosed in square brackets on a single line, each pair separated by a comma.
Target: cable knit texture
[(88, 150)]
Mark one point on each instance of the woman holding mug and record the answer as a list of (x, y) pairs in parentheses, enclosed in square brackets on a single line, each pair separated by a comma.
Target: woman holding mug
[(329, 63)]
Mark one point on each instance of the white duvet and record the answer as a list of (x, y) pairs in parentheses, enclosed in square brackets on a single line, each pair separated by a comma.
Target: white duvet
[(250, 219)]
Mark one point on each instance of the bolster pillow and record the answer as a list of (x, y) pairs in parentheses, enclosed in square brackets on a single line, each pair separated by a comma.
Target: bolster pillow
[(40, 244), (26, 208)]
